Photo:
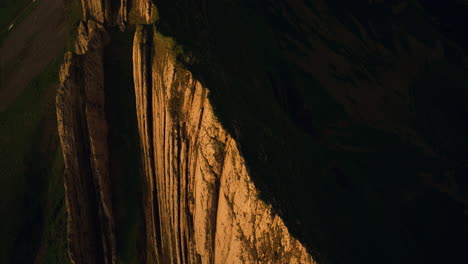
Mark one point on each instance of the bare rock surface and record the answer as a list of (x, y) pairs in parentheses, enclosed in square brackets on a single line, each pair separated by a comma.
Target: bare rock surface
[(200, 205), (83, 133), (98, 10)]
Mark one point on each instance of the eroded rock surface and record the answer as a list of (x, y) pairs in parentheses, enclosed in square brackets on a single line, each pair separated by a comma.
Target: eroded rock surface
[(143, 12), (98, 10), (200, 203), (120, 13), (350, 117), (83, 133)]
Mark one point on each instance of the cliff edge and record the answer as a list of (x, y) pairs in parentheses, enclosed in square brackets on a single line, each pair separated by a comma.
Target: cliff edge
[(199, 202)]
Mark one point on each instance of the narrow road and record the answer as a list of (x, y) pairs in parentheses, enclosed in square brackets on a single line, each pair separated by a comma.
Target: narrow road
[(29, 47), (13, 22)]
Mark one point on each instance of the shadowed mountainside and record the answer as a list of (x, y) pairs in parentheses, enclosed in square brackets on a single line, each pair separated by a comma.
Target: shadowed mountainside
[(199, 204), (351, 117), (32, 206), (271, 131)]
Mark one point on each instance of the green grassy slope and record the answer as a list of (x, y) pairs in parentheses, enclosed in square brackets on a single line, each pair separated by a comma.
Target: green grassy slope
[(31, 175), (32, 206)]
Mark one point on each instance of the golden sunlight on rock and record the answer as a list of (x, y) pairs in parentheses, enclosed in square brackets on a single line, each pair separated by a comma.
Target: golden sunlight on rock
[(83, 133), (201, 205)]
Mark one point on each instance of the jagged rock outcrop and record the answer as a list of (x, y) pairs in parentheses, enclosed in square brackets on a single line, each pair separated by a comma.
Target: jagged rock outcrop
[(200, 203), (97, 10), (143, 12), (348, 117), (119, 13), (123, 15), (83, 134), (90, 35)]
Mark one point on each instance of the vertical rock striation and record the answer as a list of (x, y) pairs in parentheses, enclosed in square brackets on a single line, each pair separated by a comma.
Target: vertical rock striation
[(98, 10), (83, 133), (355, 108), (200, 203), (143, 12), (123, 15)]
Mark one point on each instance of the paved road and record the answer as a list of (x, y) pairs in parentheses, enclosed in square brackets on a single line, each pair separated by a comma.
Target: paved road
[(29, 47)]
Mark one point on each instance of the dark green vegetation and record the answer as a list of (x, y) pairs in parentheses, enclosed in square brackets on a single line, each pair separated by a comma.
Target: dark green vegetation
[(351, 191), (32, 198), (125, 165), (33, 226)]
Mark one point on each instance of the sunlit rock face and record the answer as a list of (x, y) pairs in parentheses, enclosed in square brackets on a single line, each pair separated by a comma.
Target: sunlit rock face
[(98, 10), (83, 134), (120, 13), (142, 12), (91, 36), (349, 118), (350, 115), (200, 203)]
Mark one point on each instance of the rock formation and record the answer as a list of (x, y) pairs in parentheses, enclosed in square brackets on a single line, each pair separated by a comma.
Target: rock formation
[(200, 204), (267, 128), (83, 133), (97, 10), (143, 12)]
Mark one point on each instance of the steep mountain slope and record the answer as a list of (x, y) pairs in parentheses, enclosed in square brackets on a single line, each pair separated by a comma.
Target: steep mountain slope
[(341, 124), (199, 203), (351, 117)]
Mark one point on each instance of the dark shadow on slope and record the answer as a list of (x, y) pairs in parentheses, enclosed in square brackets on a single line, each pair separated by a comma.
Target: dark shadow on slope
[(124, 155), (351, 192), (31, 173)]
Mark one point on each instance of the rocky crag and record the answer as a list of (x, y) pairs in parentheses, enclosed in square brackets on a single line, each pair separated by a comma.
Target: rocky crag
[(339, 123), (83, 133), (199, 202)]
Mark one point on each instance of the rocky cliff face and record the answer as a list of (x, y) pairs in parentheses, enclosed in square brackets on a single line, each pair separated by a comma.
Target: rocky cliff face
[(200, 204), (349, 118), (83, 133)]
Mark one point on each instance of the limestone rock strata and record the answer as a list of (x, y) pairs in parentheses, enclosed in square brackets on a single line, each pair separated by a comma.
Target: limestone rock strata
[(83, 133), (98, 10), (91, 35), (200, 203), (143, 12), (119, 13), (123, 15)]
